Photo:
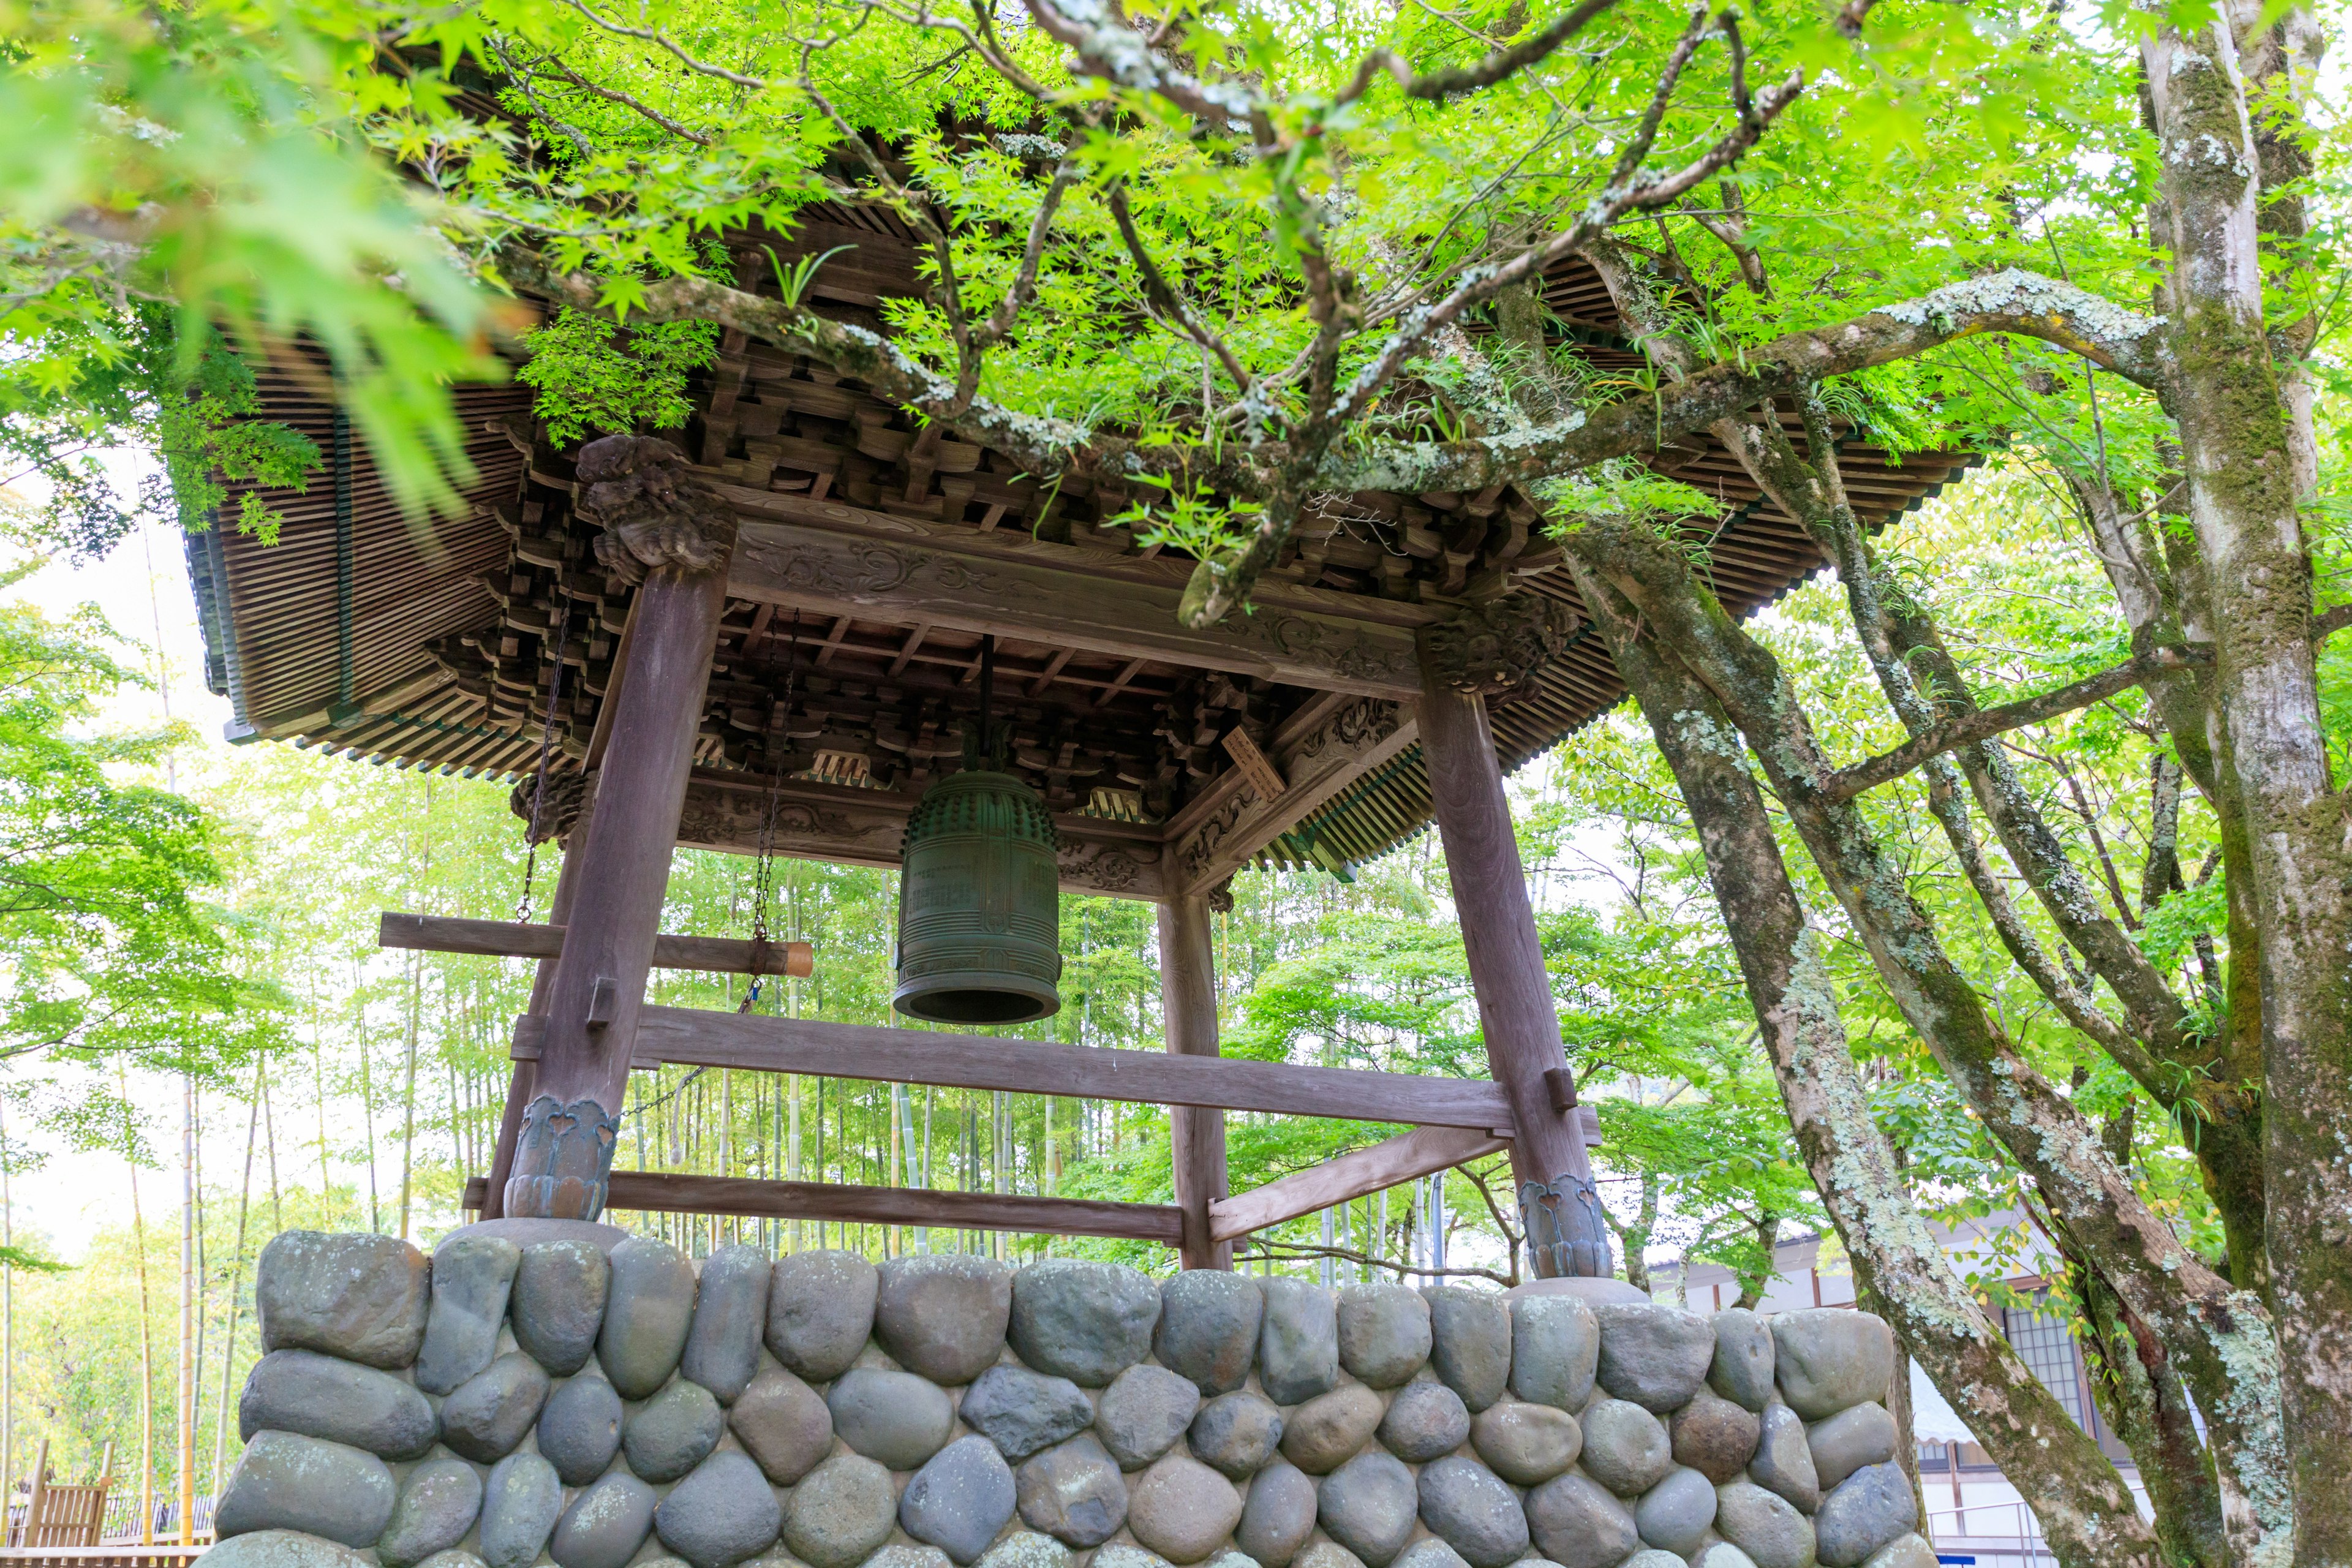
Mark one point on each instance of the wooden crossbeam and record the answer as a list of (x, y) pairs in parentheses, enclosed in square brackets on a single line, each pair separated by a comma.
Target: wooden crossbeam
[(1420, 1152), (513, 939), (831, 559), (669, 1192), (697, 1038)]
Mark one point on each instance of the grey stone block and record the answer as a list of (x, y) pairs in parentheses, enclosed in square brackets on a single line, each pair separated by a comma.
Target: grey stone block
[(1024, 1412), (841, 1512), (1279, 1515), (1906, 1551), (283, 1549), (558, 1302), (1369, 1505), (1208, 1328), (437, 1505), (521, 1504), (1857, 1435), (1741, 1370), (1073, 1492), (1298, 1346), (672, 1431), (647, 1310), (959, 1499), (1764, 1526), (488, 1415), (943, 1315), (1783, 1464), (1554, 1349), (362, 1298), (286, 1481), (1236, 1434), (1524, 1444), (579, 1429), (721, 1514), (1474, 1511), (1026, 1549), (1425, 1420), (1827, 1358), (341, 1401), (1865, 1512), (1674, 1515), (1086, 1321), (471, 1277), (894, 1418), (783, 1425), (1625, 1446), (1470, 1343), (1143, 1414), (530, 1233), (605, 1524), (730, 1308), (1577, 1524), (1324, 1433), (1384, 1333), (1715, 1436), (1655, 1355), (820, 1311), (1182, 1509)]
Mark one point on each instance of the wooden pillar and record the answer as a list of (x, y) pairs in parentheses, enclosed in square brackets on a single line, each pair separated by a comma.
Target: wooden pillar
[(522, 1084), (1558, 1209), (1188, 994), (660, 520)]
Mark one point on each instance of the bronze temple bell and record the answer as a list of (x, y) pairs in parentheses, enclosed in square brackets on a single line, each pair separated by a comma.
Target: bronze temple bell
[(980, 921)]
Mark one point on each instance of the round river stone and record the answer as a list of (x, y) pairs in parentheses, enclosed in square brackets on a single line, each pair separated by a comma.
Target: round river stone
[(1208, 1328), (1857, 1435), (1578, 1525), (339, 1401), (471, 1277), (1278, 1516), (783, 1425), (1655, 1355), (961, 1499), (520, 1506), (646, 1313), (1424, 1421), (1526, 1444), (841, 1512), (1073, 1492), (730, 1308), (1236, 1434), (1827, 1358), (943, 1315), (1864, 1512), (438, 1504), (1320, 1434), (1086, 1321), (672, 1431), (1741, 1370), (1764, 1526), (488, 1415), (1714, 1436), (604, 1525), (360, 1296), (1182, 1509), (1555, 1349), (722, 1513), (558, 1302), (820, 1311), (894, 1418), (1384, 1333), (1369, 1505), (1784, 1459), (1625, 1449), (1478, 1516), (286, 1481), (579, 1429), (1143, 1413), (1299, 1346), (1470, 1343), (1674, 1514), (1024, 1412)]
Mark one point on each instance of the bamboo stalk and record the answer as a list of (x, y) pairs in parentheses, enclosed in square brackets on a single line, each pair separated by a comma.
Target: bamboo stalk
[(237, 1283)]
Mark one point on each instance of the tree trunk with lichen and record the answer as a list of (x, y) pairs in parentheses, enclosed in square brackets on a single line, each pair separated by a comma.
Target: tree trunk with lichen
[(2086, 1511)]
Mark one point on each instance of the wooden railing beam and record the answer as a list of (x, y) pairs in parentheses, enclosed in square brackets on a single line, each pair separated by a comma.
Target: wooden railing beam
[(508, 939), (1393, 1163)]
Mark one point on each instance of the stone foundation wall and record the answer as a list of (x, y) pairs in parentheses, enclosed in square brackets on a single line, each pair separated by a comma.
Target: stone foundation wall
[(553, 1391)]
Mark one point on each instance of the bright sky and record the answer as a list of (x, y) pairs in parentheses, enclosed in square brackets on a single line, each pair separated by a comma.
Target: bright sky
[(73, 1194)]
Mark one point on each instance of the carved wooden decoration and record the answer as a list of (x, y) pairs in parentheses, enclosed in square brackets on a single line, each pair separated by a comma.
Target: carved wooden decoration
[(1496, 649)]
